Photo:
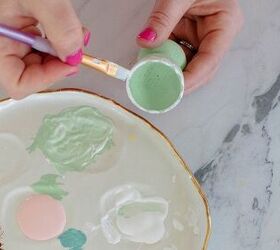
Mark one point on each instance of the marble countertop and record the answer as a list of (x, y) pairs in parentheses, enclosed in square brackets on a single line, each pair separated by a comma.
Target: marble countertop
[(228, 131)]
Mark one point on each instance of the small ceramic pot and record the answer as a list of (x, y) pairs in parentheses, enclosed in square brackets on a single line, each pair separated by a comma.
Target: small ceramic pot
[(156, 83)]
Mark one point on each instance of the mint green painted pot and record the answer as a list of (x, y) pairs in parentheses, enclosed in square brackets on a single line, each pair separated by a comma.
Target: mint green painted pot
[(156, 82)]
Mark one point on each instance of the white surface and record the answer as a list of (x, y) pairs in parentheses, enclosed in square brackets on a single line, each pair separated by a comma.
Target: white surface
[(199, 125)]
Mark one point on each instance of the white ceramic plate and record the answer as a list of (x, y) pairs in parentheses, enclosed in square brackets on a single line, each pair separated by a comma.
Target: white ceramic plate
[(141, 156)]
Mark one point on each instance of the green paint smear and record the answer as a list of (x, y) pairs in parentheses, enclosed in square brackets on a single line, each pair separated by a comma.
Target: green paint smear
[(155, 86), (135, 208), (72, 139), (73, 239), (48, 185)]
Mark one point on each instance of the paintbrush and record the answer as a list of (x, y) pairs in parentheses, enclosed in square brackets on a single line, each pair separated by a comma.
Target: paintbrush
[(43, 45)]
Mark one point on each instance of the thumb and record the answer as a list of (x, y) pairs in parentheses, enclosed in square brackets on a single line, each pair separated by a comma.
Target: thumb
[(62, 27), (164, 18)]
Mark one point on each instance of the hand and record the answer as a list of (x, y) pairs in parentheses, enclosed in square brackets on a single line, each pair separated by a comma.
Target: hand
[(209, 25), (23, 71)]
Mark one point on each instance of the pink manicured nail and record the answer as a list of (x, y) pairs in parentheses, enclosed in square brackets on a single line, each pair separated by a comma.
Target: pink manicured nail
[(87, 38), (75, 59), (148, 35)]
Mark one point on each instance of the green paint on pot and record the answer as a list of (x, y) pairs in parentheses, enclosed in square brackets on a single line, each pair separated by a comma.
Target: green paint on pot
[(169, 50), (73, 239), (49, 185), (72, 139), (155, 86)]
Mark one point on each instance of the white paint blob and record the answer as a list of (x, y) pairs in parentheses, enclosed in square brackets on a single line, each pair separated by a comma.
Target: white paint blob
[(128, 215)]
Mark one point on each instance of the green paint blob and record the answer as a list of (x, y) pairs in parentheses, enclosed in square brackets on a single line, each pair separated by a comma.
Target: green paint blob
[(155, 86), (73, 239), (135, 208), (48, 185), (168, 49), (72, 139)]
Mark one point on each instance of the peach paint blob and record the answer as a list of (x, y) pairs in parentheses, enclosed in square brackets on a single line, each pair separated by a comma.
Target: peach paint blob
[(41, 217)]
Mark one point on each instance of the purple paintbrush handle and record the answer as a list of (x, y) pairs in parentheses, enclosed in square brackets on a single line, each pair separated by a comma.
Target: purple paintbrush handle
[(36, 42), (43, 45), (16, 35)]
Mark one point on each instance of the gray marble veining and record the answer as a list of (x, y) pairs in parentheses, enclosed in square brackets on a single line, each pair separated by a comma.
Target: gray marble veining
[(242, 180)]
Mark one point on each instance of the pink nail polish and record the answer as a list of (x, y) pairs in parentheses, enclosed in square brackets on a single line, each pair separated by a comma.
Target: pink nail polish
[(148, 35), (87, 38), (75, 59)]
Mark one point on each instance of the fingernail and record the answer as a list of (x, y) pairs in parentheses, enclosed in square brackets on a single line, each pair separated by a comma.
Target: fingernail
[(87, 37), (75, 59), (148, 35)]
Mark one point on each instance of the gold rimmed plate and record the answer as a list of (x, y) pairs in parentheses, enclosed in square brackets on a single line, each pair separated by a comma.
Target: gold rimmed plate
[(140, 158)]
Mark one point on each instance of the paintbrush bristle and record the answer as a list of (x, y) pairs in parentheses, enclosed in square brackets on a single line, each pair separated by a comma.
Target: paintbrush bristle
[(122, 73), (107, 67)]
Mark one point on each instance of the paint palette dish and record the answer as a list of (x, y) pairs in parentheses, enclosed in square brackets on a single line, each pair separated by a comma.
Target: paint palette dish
[(78, 171)]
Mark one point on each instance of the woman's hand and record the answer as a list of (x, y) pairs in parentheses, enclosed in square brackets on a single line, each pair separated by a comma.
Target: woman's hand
[(209, 25), (24, 71)]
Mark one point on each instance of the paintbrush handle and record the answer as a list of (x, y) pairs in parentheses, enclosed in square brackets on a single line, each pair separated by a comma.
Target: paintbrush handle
[(43, 45), (100, 65), (36, 42)]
